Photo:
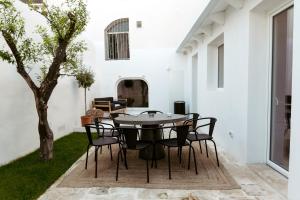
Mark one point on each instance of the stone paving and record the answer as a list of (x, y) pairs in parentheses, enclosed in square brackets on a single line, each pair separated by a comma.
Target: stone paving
[(257, 181)]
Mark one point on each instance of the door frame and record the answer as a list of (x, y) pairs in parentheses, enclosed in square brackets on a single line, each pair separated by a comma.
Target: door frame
[(271, 14)]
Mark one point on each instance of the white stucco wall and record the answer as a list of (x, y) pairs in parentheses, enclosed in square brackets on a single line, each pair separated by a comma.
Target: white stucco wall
[(294, 175), (258, 82), (228, 104), (152, 47), (242, 106), (256, 20)]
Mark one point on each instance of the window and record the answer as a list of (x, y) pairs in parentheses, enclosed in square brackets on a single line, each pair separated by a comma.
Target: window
[(117, 40), (215, 63), (135, 91), (221, 66)]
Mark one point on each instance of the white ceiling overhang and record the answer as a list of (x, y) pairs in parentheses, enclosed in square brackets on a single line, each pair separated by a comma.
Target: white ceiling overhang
[(214, 13)]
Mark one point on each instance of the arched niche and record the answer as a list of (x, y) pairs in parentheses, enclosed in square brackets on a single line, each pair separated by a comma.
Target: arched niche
[(135, 91)]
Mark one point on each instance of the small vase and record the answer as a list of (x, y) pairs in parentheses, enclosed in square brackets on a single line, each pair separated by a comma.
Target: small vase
[(86, 120)]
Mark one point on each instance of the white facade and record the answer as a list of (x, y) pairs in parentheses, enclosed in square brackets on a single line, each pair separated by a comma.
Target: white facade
[(153, 55), (242, 107)]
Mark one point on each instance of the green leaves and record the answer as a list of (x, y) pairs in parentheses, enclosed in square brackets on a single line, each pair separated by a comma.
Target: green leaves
[(29, 51), (74, 57), (85, 78), (11, 20), (6, 56), (5, 3), (43, 73), (65, 22), (60, 17)]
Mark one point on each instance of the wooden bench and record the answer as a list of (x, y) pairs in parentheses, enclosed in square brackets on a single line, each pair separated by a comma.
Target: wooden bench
[(107, 104)]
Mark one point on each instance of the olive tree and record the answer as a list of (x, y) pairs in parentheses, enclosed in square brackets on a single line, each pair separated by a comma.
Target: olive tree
[(58, 52)]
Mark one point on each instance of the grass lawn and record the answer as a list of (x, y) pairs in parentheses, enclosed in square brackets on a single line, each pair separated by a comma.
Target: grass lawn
[(29, 177)]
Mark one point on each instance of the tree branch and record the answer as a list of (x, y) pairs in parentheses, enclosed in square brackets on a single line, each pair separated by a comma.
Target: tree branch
[(71, 30), (70, 75), (20, 65), (48, 19), (53, 74)]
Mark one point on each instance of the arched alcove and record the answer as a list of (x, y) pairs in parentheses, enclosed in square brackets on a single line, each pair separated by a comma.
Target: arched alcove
[(135, 91)]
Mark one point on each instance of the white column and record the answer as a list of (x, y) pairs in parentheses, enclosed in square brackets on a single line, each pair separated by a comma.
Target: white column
[(294, 175)]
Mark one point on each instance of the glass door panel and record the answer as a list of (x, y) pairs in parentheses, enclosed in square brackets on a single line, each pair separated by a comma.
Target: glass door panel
[(281, 87)]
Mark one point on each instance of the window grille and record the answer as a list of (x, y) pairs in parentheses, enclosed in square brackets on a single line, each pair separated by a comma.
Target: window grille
[(117, 40)]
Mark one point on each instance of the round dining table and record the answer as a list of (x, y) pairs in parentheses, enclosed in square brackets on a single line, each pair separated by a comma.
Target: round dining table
[(151, 123)]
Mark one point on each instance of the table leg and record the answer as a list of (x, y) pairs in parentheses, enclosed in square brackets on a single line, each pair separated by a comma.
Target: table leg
[(152, 135)]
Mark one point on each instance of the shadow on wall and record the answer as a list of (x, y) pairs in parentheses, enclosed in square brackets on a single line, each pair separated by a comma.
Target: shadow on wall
[(135, 91)]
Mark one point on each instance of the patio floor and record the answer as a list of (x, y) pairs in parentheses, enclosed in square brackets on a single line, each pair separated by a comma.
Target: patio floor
[(257, 182)]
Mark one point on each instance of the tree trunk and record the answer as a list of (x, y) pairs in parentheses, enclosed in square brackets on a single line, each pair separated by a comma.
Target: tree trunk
[(84, 100), (45, 132)]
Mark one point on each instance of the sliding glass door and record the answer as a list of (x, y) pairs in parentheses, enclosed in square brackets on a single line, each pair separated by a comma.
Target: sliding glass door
[(281, 98)]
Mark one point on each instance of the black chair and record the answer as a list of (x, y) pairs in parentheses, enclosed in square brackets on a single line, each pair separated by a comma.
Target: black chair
[(196, 135), (97, 143), (179, 142), (130, 141), (154, 112), (191, 120), (192, 117), (110, 131), (115, 115), (106, 130)]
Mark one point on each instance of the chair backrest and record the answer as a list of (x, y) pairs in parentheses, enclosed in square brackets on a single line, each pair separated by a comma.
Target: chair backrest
[(182, 132), (194, 117), (103, 126), (151, 112), (96, 120), (211, 124), (115, 115), (129, 136), (104, 99)]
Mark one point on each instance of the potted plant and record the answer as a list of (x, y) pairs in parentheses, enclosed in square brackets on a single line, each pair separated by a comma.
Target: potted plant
[(85, 78)]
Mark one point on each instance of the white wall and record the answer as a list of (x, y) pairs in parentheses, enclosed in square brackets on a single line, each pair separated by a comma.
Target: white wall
[(254, 78), (228, 104), (258, 87), (294, 175), (242, 106), (152, 47)]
